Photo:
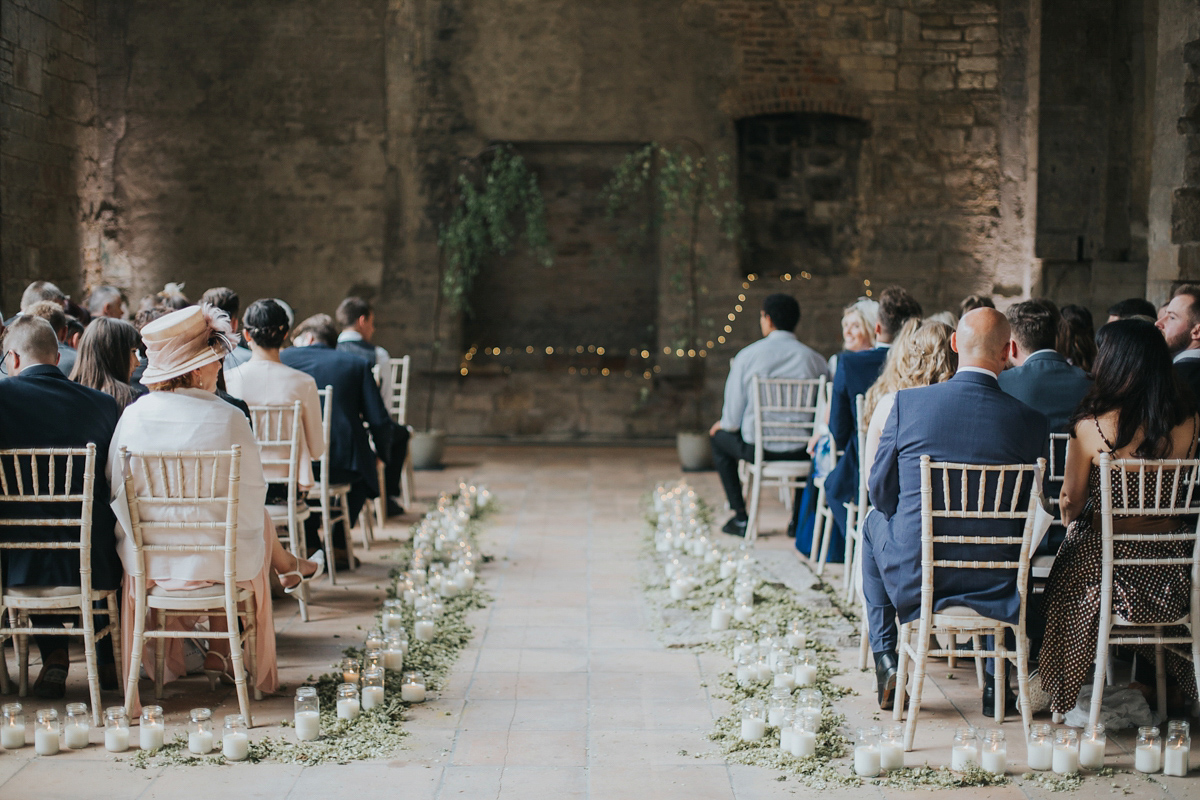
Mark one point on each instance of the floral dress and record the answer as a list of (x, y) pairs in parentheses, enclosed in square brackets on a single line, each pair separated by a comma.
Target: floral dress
[(1142, 594)]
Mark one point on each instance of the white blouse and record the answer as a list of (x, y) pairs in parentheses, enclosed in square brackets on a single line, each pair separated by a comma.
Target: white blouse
[(191, 419), (879, 418), (260, 382)]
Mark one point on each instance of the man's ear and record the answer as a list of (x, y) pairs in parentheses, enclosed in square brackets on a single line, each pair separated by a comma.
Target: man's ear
[(878, 329), (1195, 332), (954, 341)]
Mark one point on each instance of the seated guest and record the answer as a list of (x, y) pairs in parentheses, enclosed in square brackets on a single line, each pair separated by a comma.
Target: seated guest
[(972, 302), (108, 354), (1077, 337), (967, 419), (1039, 377), (38, 291), (182, 412), (264, 380), (357, 320), (1133, 307), (779, 354), (75, 330), (107, 301), (1180, 326), (855, 375), (52, 312), (920, 356), (355, 400), (1136, 409), (41, 408), (228, 301), (858, 329), (172, 297)]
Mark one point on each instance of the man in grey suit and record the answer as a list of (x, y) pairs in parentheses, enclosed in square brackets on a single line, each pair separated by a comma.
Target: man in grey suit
[(1040, 377), (967, 419)]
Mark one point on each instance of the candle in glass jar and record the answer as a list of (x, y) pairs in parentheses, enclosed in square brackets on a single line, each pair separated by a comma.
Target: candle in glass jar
[(393, 617), (347, 701), (965, 751), (235, 746), (78, 726), (1091, 747), (1039, 748), (150, 736), (806, 669), (116, 740), (1147, 758), (1175, 753), (412, 689), (12, 726), (721, 615), (743, 612), (423, 629), (804, 743), (891, 747), (308, 725), (200, 735), (866, 753), (754, 724), (45, 741), (1066, 752), (372, 696)]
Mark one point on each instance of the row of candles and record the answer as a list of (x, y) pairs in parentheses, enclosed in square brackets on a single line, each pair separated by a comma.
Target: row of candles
[(442, 566), (50, 734)]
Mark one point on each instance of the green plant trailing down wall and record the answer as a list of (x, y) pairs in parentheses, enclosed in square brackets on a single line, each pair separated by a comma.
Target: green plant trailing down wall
[(689, 192)]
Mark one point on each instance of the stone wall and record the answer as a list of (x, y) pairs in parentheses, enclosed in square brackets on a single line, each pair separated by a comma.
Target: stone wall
[(49, 189)]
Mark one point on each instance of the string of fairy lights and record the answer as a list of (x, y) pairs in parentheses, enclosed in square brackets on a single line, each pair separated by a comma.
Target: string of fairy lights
[(649, 370)]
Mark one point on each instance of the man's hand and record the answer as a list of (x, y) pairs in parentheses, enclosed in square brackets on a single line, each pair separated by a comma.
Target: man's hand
[(716, 427)]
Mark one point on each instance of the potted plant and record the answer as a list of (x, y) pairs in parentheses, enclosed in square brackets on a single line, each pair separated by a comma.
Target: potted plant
[(689, 193), (495, 201)]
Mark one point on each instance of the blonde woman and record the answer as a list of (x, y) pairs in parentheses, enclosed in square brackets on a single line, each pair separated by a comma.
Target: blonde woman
[(920, 356), (859, 320)]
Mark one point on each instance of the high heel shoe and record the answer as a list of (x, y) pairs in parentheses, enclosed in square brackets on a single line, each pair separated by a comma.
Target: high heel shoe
[(223, 676), (318, 559)]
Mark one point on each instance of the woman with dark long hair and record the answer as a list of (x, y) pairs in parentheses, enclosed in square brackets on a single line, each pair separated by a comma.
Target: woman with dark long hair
[(1135, 409), (108, 355), (1077, 336)]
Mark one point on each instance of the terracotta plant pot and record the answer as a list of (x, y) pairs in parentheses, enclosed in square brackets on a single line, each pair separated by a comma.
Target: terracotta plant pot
[(427, 449), (695, 451)]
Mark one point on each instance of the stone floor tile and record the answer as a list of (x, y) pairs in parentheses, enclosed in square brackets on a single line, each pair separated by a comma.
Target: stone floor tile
[(488, 715), (555, 637), (554, 660), (554, 748), (552, 686), (470, 782), (484, 748), (543, 783), (550, 715), (493, 686), (256, 781), (371, 780)]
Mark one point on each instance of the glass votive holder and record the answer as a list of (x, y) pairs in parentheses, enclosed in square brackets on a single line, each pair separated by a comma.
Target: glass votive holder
[(394, 648), (743, 612), (743, 643), (743, 593), (713, 556), (804, 733), (786, 731), (116, 729), (785, 675), (412, 688), (423, 627), (754, 723), (1147, 754), (780, 705), (372, 659), (393, 615), (993, 752), (235, 738), (747, 670), (151, 728), (722, 613), (810, 700), (866, 752), (728, 567), (672, 566), (806, 668), (77, 727), (436, 609), (372, 691), (347, 702), (1092, 745), (891, 747), (965, 751), (350, 670), (1066, 751), (1039, 747), (200, 732), (12, 726), (797, 635), (1175, 752), (308, 714), (374, 640), (762, 669), (46, 732)]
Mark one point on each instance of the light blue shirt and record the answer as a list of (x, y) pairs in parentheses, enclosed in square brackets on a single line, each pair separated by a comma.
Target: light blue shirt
[(777, 355)]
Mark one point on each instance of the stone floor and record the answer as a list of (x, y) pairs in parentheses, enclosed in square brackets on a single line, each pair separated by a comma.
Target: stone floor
[(566, 691)]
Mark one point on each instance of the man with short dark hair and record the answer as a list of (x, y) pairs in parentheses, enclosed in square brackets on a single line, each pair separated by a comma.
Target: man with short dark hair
[(52, 312), (40, 408), (1132, 307), (228, 301), (1180, 326), (855, 374), (777, 355), (1039, 376)]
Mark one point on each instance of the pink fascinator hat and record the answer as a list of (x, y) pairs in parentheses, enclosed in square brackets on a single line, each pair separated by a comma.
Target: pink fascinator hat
[(184, 340)]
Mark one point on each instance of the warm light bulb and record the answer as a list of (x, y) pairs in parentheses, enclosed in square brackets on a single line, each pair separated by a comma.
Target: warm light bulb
[(729, 329), (604, 371), (679, 353), (599, 351), (645, 354), (732, 317), (721, 339), (549, 351), (463, 371), (691, 353), (666, 351)]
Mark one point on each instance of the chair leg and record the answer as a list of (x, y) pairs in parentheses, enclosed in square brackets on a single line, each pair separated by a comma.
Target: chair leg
[(5, 684), (814, 549), (15, 618), (114, 628), (89, 658), (1023, 681), (1101, 667), (239, 669), (365, 513), (1000, 665), (976, 645), (914, 700), (905, 639), (1160, 673), (380, 502), (160, 657), (137, 644), (848, 550), (755, 493), (251, 636), (327, 539), (826, 537), (952, 659), (298, 552), (367, 526)]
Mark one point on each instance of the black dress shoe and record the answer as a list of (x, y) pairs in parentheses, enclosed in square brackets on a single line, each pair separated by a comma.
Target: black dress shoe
[(885, 679), (989, 699), (735, 527)]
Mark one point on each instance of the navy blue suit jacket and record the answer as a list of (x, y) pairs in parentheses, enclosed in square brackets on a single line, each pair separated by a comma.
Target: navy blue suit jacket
[(355, 399), (856, 373), (41, 408), (1051, 385), (967, 419)]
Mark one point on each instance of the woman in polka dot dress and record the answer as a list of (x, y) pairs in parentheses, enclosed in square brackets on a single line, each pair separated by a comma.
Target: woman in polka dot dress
[(1135, 409)]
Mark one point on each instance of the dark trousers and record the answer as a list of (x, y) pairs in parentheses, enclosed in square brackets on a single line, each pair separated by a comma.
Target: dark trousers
[(47, 643), (395, 467), (359, 493), (728, 449)]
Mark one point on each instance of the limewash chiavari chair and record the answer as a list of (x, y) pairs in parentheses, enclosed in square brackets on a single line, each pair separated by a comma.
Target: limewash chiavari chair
[(823, 523), (328, 492)]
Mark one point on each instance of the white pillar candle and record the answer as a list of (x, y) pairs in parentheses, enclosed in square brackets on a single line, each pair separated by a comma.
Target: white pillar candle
[(308, 725), (1147, 758), (763, 673), (465, 580), (866, 761), (150, 737), (12, 736), (1175, 761), (413, 693), (743, 613), (679, 589), (392, 621), (775, 715), (1040, 755), (200, 742), (1091, 754), (753, 729), (891, 755), (805, 674), (1065, 760), (804, 743), (393, 659), (45, 741), (116, 740), (347, 708), (424, 630), (740, 650), (995, 761), (727, 569), (371, 696), (76, 736), (962, 756), (785, 739), (797, 640), (720, 618), (785, 680), (235, 746), (746, 674)]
